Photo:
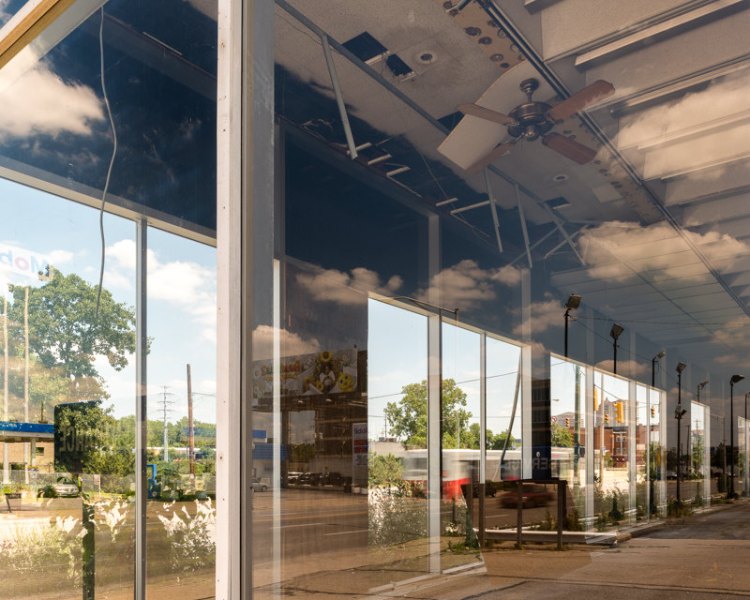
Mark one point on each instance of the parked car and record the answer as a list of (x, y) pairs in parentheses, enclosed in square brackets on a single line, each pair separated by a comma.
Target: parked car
[(310, 478), (258, 485), (333, 478), (532, 494), (66, 488)]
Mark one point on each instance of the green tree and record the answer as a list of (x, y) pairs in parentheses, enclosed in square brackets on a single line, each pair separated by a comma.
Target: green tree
[(385, 470), (66, 334), (561, 436), (91, 440), (407, 418)]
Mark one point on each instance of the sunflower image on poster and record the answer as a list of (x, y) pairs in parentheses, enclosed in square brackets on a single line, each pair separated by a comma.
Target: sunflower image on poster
[(325, 372), (331, 373)]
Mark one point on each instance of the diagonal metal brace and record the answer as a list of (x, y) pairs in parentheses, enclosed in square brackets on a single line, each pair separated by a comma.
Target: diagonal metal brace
[(339, 97)]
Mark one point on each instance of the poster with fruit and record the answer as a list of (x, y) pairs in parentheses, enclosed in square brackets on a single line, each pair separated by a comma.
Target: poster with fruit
[(322, 373)]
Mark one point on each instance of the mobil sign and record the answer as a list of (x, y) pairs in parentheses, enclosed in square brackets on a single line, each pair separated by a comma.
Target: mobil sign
[(18, 261)]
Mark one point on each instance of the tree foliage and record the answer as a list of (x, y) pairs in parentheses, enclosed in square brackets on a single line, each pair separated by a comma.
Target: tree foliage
[(65, 333), (385, 470), (562, 437), (407, 419), (65, 338)]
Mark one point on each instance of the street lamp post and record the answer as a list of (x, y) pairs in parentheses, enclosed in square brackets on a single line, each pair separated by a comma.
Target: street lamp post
[(615, 333), (732, 381), (654, 362), (701, 385), (678, 413), (574, 301)]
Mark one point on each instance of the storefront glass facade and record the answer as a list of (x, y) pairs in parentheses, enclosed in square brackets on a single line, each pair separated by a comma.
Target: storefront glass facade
[(108, 273), (437, 247)]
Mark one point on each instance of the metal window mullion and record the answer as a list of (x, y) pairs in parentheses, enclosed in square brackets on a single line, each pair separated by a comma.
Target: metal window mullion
[(434, 449), (141, 415), (482, 406)]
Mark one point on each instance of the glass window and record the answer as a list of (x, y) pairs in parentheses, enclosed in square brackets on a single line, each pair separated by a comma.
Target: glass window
[(68, 377), (108, 119), (181, 425), (509, 177)]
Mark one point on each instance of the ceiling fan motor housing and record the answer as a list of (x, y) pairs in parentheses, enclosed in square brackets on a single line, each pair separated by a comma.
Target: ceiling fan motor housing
[(530, 118)]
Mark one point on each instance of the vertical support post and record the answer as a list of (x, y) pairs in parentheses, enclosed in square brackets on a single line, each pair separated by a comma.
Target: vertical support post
[(561, 502), (26, 445), (6, 457), (525, 373), (482, 433), (88, 543), (434, 436), (590, 444), (524, 228), (493, 211), (141, 415), (277, 424), (519, 513)]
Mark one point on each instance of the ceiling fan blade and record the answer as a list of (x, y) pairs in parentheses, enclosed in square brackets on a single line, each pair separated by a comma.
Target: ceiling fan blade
[(569, 148), (490, 157), (598, 90), (485, 113)]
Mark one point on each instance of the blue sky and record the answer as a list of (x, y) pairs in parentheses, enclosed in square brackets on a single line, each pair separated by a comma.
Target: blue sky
[(181, 295)]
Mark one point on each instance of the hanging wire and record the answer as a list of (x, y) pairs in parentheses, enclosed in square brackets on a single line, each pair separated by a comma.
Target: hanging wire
[(111, 164)]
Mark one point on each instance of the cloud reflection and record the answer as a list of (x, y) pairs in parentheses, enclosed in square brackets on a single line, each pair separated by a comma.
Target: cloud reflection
[(698, 130), (291, 343), (618, 251), (344, 288), (466, 285), (36, 100)]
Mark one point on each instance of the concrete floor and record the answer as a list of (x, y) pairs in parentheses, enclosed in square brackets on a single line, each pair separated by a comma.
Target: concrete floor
[(702, 557)]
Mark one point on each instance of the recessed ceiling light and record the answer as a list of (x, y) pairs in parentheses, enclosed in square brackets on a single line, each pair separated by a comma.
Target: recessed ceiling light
[(560, 177), (426, 57)]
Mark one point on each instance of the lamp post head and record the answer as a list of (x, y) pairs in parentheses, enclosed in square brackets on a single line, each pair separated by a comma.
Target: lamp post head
[(616, 331), (702, 384), (660, 354), (681, 366), (736, 379), (574, 301)]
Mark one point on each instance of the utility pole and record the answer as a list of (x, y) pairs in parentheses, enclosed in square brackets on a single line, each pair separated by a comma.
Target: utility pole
[(191, 428), (165, 410)]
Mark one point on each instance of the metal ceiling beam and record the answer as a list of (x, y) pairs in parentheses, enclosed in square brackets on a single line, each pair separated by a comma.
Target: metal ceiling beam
[(650, 33)]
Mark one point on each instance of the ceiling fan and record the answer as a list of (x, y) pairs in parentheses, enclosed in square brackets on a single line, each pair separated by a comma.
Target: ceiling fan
[(533, 120)]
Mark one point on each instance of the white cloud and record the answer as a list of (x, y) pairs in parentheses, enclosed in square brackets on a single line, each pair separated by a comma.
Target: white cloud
[(59, 257), (35, 100), (668, 134), (291, 343), (627, 368), (350, 288), (542, 316), (617, 251), (185, 284), (466, 285)]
